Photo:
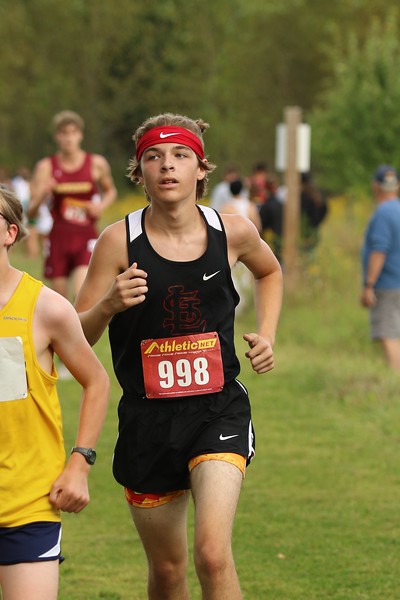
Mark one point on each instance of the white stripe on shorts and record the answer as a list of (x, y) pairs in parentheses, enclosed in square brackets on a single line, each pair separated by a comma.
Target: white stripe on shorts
[(55, 550)]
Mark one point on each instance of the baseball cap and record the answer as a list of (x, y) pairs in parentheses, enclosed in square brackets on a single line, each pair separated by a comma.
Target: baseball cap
[(387, 177)]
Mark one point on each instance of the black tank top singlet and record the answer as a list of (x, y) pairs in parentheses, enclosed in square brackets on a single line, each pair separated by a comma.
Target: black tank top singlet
[(184, 298)]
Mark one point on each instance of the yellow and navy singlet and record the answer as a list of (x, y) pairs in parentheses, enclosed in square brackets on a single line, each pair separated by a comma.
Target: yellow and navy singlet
[(32, 453)]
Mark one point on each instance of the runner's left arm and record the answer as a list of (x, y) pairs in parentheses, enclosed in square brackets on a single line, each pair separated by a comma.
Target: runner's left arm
[(246, 245), (105, 182), (63, 330)]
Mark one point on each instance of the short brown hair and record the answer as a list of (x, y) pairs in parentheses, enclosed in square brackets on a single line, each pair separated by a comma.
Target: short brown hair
[(12, 211), (67, 117), (197, 127)]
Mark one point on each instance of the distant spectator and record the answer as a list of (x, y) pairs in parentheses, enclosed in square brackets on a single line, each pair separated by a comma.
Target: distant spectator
[(313, 211), (39, 226), (381, 265), (271, 215), (21, 186), (221, 192), (261, 183), (239, 204)]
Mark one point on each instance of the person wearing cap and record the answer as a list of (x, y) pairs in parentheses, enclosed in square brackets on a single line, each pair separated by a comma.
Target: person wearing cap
[(35, 483), (161, 280), (381, 265)]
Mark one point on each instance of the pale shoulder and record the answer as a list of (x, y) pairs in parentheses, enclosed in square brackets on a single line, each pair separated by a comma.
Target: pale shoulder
[(114, 233), (53, 301), (53, 310), (100, 162), (244, 242)]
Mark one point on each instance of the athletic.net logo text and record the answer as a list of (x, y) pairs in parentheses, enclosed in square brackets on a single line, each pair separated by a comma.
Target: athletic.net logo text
[(180, 344)]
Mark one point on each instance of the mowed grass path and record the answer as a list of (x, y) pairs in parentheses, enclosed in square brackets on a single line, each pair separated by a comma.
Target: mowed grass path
[(319, 512)]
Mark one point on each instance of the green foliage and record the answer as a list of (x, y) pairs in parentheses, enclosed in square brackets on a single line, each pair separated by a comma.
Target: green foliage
[(356, 127), (235, 63)]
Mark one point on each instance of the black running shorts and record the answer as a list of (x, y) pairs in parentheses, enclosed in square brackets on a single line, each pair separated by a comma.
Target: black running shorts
[(157, 438)]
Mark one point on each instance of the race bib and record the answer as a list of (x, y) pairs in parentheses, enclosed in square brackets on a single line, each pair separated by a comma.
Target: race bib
[(13, 384), (186, 365), (74, 211)]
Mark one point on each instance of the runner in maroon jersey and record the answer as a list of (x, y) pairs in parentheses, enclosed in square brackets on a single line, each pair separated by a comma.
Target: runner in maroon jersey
[(78, 186), (161, 279)]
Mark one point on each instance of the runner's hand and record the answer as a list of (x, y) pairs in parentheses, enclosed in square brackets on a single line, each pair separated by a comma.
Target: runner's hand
[(129, 289), (70, 491), (261, 354)]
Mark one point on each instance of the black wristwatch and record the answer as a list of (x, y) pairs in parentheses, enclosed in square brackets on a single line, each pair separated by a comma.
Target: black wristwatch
[(88, 453)]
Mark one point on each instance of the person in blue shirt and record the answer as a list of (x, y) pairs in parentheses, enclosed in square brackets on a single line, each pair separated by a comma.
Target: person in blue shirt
[(381, 265)]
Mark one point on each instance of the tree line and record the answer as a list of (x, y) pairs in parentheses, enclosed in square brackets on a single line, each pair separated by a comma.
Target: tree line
[(234, 63)]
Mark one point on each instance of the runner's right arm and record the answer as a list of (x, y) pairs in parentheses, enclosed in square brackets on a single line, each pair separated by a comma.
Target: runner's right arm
[(110, 285)]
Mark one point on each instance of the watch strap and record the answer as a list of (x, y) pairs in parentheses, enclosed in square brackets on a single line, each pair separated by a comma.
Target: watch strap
[(88, 453)]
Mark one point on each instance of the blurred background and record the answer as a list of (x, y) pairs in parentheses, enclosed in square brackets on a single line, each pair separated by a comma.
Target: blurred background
[(234, 63)]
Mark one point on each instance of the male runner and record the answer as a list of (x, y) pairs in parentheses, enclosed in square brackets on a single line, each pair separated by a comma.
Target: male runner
[(35, 484), (79, 187), (161, 279)]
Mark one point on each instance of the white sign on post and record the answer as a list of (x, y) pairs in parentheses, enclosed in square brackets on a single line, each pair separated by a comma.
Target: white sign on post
[(303, 144)]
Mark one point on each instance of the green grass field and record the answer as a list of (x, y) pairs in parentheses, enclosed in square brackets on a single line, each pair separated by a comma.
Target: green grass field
[(319, 511)]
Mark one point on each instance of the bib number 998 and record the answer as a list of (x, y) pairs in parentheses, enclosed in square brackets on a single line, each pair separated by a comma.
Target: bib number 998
[(182, 365), (182, 373)]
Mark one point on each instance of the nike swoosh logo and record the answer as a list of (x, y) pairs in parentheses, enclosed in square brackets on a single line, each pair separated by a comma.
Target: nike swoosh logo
[(227, 437), (167, 135), (207, 277)]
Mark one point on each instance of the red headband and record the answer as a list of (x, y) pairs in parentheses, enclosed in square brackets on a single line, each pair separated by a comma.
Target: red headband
[(166, 135)]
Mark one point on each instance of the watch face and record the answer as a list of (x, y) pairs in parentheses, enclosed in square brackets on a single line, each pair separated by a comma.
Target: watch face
[(88, 453), (91, 456)]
